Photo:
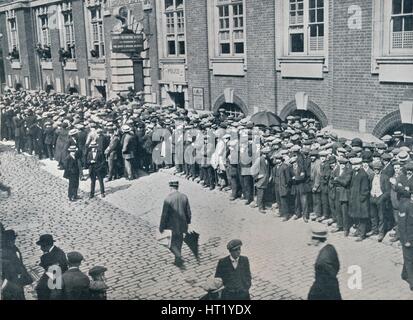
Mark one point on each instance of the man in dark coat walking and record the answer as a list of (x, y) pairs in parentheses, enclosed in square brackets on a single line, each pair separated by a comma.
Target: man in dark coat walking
[(359, 204), (52, 257), (176, 216), (234, 270), (327, 266)]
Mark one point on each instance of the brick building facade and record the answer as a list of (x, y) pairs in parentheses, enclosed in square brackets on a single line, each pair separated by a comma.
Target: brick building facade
[(347, 63)]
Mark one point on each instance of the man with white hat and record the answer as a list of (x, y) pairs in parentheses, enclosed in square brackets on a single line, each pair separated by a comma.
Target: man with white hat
[(327, 266)]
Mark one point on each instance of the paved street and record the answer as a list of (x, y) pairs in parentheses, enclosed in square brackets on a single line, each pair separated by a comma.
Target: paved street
[(119, 232)]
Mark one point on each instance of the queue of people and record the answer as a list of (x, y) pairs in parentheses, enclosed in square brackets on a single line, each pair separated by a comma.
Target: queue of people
[(358, 188)]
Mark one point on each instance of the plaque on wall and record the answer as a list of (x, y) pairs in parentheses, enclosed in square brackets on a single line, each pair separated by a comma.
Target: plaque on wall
[(198, 97)]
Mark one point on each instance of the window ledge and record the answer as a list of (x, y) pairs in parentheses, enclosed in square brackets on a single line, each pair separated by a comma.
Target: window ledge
[(228, 66), (71, 66), (172, 60), (16, 65), (395, 69), (395, 60), (97, 61), (46, 64), (308, 67), (304, 59)]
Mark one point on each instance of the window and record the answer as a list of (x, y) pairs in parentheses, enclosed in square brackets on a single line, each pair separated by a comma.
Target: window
[(68, 30), (175, 27), (401, 25), (230, 27), (306, 26), (96, 32), (43, 26), (12, 34)]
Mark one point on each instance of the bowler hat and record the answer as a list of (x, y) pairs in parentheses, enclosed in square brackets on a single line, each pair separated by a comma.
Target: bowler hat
[(234, 244), (46, 239)]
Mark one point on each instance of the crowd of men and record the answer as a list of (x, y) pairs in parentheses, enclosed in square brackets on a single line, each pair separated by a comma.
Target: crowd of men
[(361, 189)]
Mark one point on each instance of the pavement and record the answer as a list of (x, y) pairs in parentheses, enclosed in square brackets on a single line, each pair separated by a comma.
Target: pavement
[(119, 233)]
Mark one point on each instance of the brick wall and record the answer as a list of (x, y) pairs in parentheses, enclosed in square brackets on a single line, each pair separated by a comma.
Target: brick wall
[(356, 90), (197, 49), (260, 31)]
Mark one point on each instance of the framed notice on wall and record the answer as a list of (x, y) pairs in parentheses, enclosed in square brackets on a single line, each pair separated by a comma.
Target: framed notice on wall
[(198, 97)]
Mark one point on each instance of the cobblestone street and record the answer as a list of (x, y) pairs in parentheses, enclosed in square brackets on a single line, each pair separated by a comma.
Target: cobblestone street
[(119, 233)]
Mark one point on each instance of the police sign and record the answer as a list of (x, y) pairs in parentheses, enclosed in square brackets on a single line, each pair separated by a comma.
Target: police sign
[(127, 43)]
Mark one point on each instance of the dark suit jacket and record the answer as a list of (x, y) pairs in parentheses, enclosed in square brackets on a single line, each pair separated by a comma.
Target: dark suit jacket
[(234, 279), (359, 204), (299, 185), (75, 286), (342, 184), (18, 127), (97, 167), (284, 178), (326, 285), (72, 169), (176, 213), (54, 257), (405, 222)]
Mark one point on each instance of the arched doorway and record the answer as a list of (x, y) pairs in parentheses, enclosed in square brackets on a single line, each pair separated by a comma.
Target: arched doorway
[(313, 112), (236, 106), (232, 109)]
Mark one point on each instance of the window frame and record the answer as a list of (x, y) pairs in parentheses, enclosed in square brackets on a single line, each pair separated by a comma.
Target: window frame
[(43, 30), (12, 33), (229, 28), (67, 28), (172, 17), (304, 28), (390, 32), (96, 32)]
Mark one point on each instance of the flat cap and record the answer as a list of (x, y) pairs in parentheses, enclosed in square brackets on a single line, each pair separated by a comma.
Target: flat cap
[(409, 166), (234, 244), (355, 161), (386, 156), (95, 271), (174, 184), (377, 165), (74, 257)]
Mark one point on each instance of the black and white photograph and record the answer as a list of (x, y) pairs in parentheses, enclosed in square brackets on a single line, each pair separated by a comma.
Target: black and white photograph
[(206, 150)]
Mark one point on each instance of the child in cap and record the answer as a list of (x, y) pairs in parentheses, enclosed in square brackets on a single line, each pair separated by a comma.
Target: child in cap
[(98, 286)]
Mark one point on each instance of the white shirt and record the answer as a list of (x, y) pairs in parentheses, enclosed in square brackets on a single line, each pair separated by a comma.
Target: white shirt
[(234, 262), (375, 186)]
